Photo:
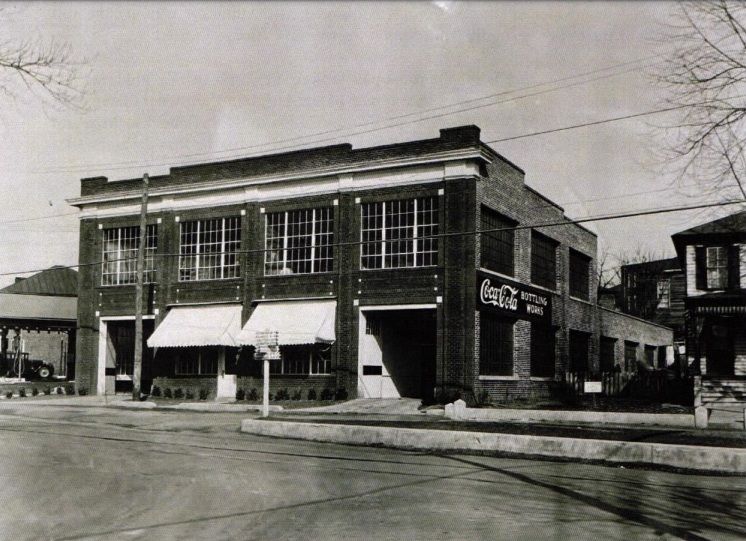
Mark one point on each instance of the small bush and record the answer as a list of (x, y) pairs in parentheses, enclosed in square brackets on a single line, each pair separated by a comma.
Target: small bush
[(312, 394), (483, 399), (283, 394), (341, 394), (240, 394), (82, 391), (253, 395), (179, 393), (203, 394), (22, 392), (59, 390), (271, 397), (327, 394), (155, 391), (189, 394), (47, 391), (70, 389), (297, 395), (34, 391), (9, 394), (167, 393)]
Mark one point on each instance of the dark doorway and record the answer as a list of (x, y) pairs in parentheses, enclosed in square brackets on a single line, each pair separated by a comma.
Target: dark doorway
[(122, 336), (719, 348)]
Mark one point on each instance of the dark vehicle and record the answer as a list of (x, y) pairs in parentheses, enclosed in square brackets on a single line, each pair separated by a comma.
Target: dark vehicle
[(34, 369)]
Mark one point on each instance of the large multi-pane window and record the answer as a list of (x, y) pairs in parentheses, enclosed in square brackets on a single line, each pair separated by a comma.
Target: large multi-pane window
[(209, 249), (299, 241), (303, 361), (542, 350), (120, 245), (543, 260), (579, 342), (607, 355), (497, 242), (579, 275), (197, 361), (717, 267), (401, 233), (495, 345)]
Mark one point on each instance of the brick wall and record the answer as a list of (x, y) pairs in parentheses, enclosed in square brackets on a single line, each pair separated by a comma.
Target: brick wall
[(623, 327)]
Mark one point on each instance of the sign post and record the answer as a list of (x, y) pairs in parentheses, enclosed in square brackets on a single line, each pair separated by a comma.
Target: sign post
[(267, 349)]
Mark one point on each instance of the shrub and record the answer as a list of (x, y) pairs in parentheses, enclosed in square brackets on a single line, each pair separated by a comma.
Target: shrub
[(9, 394), (34, 391), (189, 394), (271, 397), (59, 390), (179, 393), (297, 395), (203, 394), (70, 389), (47, 391), (82, 391), (483, 398), (312, 394), (253, 395), (155, 391), (167, 393), (327, 394), (22, 392), (283, 394), (341, 394), (240, 394)]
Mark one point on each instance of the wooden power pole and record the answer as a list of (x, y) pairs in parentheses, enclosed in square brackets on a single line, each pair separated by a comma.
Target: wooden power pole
[(137, 369)]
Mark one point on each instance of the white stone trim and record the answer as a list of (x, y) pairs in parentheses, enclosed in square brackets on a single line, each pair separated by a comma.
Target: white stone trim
[(382, 307)]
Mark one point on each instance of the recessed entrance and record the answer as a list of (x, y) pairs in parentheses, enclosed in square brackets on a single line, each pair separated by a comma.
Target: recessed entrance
[(118, 339), (397, 351)]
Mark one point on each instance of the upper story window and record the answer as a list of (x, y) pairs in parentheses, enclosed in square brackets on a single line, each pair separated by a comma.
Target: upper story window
[(399, 234), (579, 275), (664, 293), (209, 249), (717, 267), (543, 260), (120, 245), (497, 246), (299, 241)]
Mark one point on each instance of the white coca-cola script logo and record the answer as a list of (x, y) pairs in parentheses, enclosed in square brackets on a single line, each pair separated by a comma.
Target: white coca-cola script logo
[(503, 297)]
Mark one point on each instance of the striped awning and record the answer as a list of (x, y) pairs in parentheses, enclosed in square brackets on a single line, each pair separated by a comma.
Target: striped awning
[(296, 322), (719, 310), (210, 325)]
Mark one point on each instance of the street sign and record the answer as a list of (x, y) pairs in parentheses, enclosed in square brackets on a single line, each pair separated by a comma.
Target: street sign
[(592, 387)]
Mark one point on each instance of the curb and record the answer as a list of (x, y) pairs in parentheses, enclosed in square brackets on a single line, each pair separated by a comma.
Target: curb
[(689, 457)]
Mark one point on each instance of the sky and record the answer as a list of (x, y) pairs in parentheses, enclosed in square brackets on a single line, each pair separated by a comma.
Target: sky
[(173, 83)]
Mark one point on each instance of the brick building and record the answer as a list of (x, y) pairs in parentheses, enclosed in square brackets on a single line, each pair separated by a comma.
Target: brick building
[(369, 265)]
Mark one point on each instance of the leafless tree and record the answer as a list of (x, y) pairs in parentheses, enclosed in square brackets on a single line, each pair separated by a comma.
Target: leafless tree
[(705, 77), (47, 70)]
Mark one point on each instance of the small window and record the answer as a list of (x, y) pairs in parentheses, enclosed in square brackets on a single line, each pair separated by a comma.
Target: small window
[(543, 260), (497, 243), (717, 267), (579, 275), (664, 293), (630, 356), (650, 352), (496, 345), (579, 342)]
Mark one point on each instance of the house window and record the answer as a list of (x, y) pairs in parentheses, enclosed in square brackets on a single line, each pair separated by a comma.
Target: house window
[(495, 345), (299, 241), (630, 356), (120, 247), (717, 267), (579, 342), (398, 234), (197, 361), (650, 352), (303, 361), (209, 249), (497, 246), (664, 293), (542, 351), (543, 260), (579, 275), (607, 353)]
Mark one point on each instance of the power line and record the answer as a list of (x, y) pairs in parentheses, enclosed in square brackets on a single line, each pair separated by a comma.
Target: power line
[(566, 222), (133, 164)]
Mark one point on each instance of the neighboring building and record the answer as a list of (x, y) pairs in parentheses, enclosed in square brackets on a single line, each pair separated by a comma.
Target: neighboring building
[(38, 319), (714, 256), (655, 291), (365, 261)]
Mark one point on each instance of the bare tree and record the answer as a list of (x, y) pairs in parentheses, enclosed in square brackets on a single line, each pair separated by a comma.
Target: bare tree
[(47, 70), (705, 77)]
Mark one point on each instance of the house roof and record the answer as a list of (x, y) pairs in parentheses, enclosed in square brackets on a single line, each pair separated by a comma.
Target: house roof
[(37, 307), (655, 266), (57, 281), (734, 223)]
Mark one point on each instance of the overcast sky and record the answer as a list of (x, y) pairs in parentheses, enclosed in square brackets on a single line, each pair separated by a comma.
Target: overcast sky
[(170, 81)]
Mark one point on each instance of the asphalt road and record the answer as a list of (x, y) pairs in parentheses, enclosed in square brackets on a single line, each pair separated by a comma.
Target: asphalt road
[(95, 473)]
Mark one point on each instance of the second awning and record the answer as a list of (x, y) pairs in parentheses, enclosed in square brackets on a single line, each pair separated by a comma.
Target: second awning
[(296, 322), (211, 325)]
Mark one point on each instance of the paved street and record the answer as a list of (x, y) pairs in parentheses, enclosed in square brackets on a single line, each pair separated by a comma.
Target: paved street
[(97, 473)]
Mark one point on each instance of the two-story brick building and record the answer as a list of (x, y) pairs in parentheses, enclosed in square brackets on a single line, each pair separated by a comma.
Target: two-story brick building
[(714, 256), (401, 270)]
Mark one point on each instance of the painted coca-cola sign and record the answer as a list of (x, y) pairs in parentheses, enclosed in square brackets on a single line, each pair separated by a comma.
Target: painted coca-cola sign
[(498, 294)]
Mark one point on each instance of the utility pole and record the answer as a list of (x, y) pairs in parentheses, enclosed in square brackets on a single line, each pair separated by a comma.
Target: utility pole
[(137, 369)]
